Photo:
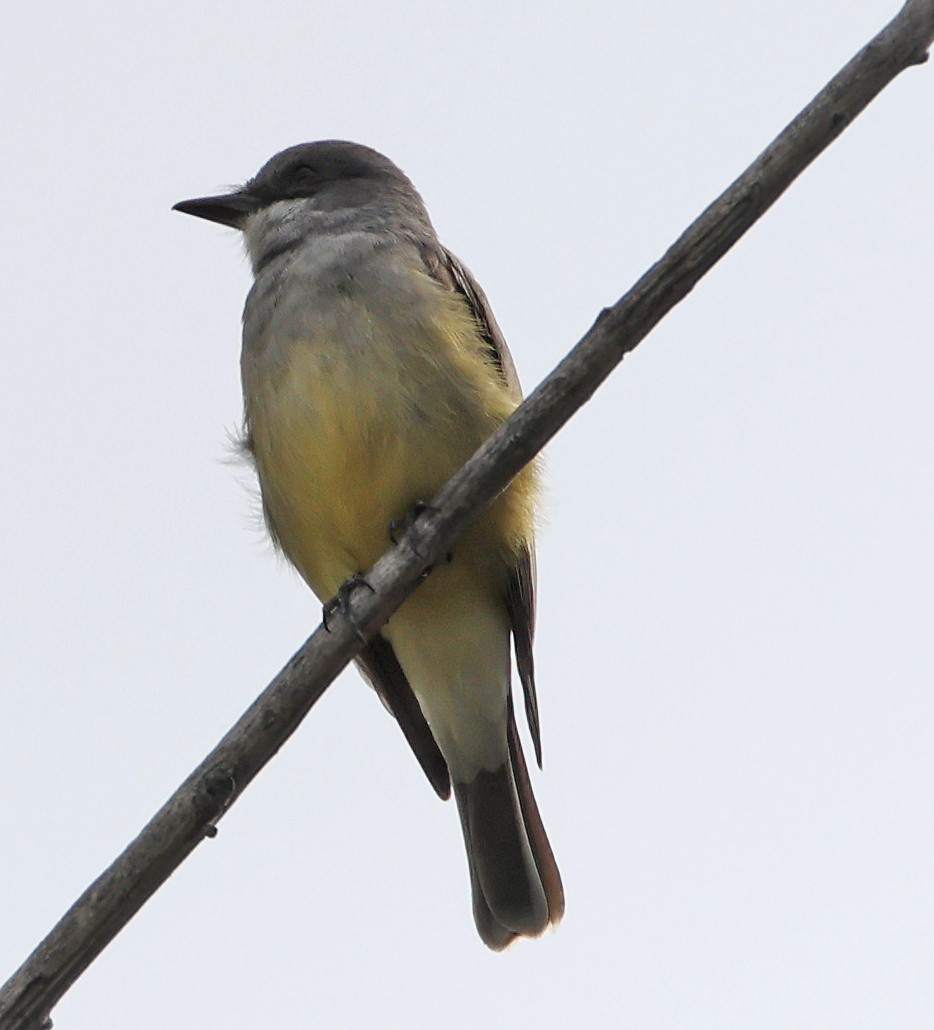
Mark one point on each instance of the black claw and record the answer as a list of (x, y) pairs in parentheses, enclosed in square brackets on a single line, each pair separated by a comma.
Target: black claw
[(405, 522), (341, 602)]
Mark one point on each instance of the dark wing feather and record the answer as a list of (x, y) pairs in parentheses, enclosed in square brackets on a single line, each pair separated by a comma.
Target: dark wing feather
[(449, 271), (520, 594), (520, 600), (380, 667)]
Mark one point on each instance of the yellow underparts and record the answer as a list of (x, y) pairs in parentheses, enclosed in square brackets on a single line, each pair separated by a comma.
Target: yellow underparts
[(349, 434)]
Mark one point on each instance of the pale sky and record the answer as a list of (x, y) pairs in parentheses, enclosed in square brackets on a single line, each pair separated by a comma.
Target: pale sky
[(734, 651)]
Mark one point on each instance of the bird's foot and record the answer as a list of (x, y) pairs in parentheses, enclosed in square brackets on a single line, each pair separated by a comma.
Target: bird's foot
[(405, 522), (340, 602)]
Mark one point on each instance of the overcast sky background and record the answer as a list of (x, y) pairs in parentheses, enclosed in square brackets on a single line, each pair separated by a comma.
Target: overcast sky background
[(735, 644)]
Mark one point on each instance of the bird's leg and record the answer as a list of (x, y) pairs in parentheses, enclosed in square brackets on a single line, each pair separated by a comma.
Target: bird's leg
[(341, 602), (405, 522)]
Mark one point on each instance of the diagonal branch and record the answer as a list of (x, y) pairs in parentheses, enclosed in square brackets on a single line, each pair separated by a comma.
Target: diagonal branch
[(191, 813)]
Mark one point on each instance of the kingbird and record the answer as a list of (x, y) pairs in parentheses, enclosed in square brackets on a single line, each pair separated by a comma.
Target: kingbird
[(372, 368)]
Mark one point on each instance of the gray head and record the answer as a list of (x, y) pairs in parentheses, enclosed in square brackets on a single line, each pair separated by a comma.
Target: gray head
[(330, 176)]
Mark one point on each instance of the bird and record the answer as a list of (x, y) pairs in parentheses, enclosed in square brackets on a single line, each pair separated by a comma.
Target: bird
[(372, 368)]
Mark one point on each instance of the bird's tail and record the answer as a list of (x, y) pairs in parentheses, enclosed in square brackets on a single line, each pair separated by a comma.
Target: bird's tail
[(514, 878)]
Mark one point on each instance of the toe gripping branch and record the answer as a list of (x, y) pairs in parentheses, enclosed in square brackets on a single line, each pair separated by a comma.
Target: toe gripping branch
[(340, 602), (400, 526)]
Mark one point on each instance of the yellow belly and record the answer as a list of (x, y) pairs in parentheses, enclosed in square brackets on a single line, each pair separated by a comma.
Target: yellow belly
[(347, 438)]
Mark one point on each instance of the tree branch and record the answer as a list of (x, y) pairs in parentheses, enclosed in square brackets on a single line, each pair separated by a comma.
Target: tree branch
[(191, 813)]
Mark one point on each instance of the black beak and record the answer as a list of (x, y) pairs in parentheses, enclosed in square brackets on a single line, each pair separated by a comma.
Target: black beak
[(229, 208)]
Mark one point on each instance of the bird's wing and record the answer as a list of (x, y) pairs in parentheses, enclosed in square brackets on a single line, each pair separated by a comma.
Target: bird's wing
[(520, 600), (448, 270), (380, 667), (443, 266)]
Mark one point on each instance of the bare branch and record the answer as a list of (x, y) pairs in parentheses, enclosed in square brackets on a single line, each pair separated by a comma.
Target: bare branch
[(191, 813)]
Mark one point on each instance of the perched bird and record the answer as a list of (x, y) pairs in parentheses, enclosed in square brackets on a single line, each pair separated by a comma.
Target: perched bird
[(372, 368)]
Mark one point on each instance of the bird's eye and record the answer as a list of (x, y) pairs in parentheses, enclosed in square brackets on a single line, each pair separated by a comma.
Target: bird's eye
[(305, 173)]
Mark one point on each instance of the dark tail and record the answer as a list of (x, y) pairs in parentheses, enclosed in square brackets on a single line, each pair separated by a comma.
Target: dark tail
[(515, 881)]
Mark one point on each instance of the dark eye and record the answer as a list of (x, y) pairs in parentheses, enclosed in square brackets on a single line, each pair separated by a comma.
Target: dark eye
[(305, 173)]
